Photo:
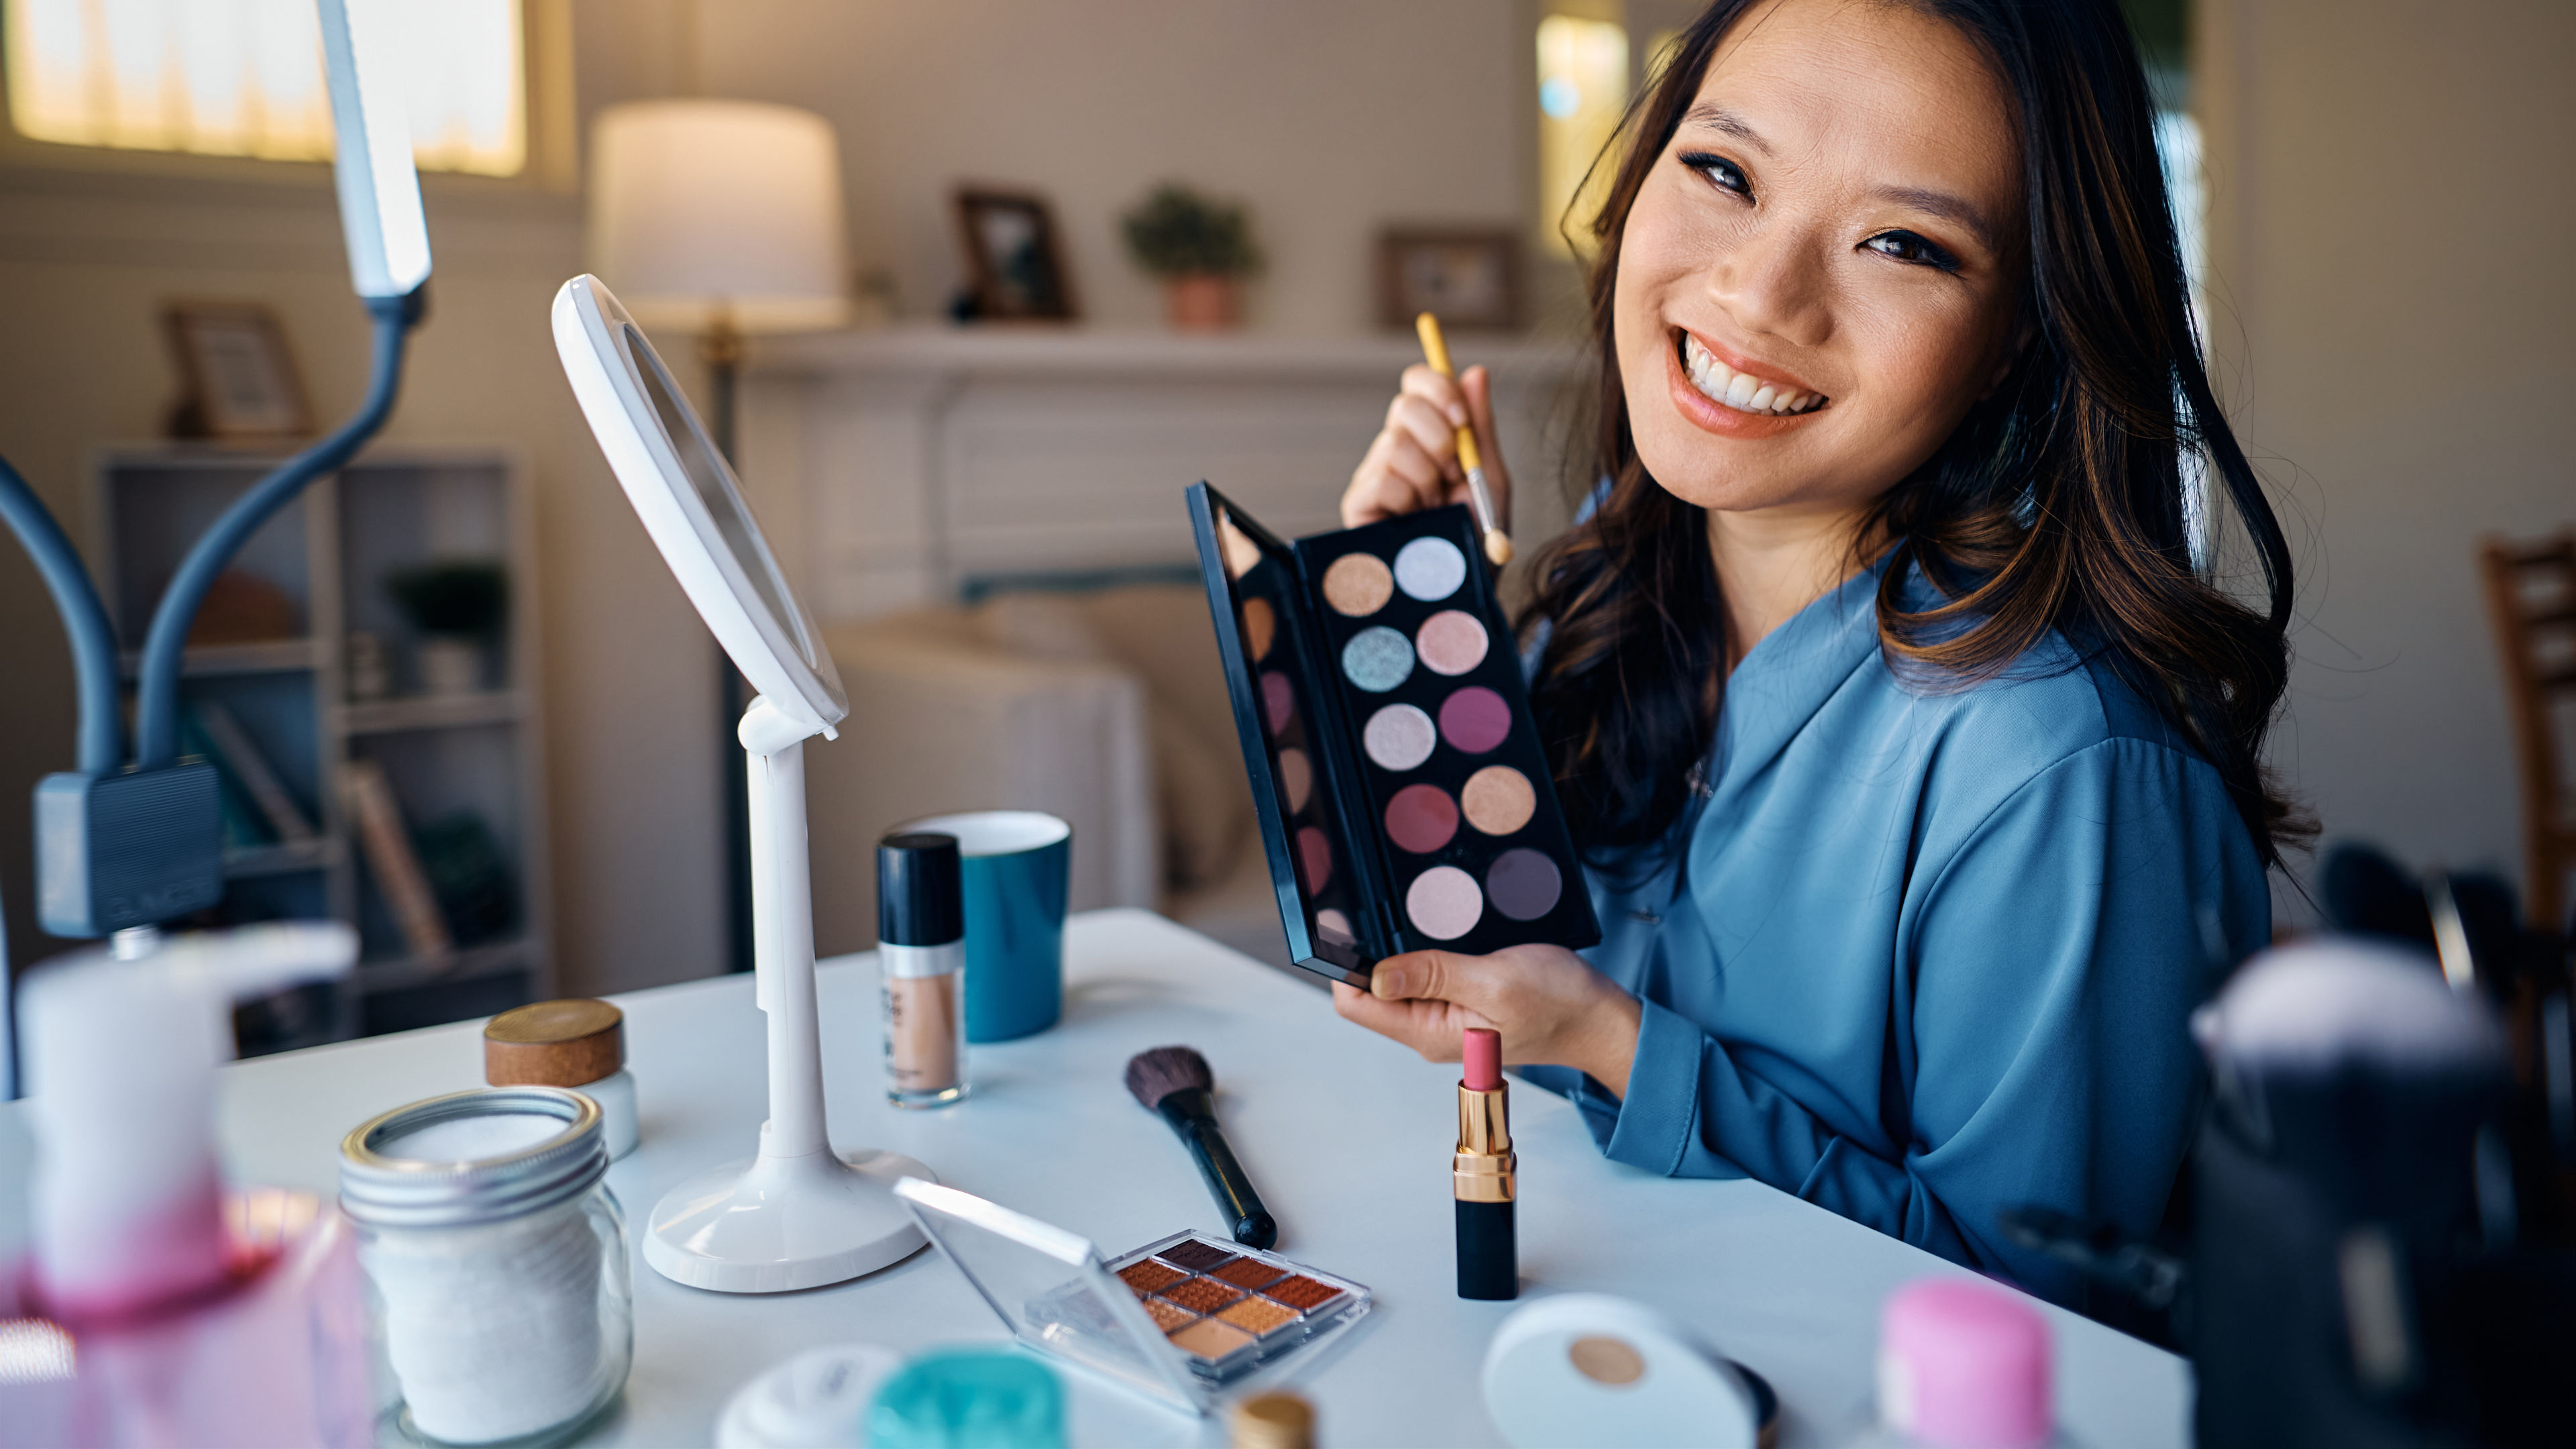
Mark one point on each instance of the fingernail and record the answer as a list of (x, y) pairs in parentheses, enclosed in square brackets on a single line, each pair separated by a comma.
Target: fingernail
[(1387, 983), (1457, 416)]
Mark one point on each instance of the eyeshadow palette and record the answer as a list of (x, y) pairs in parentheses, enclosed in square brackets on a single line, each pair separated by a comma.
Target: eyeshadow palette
[(1404, 798), (1183, 1319), (1231, 1308)]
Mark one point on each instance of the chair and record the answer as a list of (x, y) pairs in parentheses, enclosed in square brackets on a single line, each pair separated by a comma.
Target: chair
[(2531, 595)]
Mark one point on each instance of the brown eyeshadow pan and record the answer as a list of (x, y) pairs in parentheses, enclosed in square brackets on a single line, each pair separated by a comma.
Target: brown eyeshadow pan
[(1302, 1292), (1202, 1295), (1197, 1255), (1258, 1315), (1208, 1338), (1249, 1273), (1167, 1316), (1149, 1275)]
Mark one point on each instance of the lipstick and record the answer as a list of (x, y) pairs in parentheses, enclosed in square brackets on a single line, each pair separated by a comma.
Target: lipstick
[(1482, 1176)]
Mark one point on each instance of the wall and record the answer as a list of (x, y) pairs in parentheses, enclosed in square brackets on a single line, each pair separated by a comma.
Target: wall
[(1328, 117), (2392, 186)]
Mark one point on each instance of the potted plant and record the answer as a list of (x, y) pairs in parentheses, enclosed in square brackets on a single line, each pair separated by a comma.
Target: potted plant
[(457, 606), (1201, 250)]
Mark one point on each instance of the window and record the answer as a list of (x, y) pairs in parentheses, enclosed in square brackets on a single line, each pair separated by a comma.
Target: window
[(244, 78), (1582, 94)]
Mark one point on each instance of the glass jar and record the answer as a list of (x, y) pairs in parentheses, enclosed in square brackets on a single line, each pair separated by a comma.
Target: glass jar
[(496, 1264)]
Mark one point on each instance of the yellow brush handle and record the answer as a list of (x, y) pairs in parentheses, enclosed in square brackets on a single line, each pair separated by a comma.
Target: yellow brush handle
[(1435, 350)]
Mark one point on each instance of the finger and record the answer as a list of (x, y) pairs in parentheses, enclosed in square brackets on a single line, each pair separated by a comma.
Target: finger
[(1422, 1026), (1478, 386), (1393, 478), (1415, 975), (1423, 476), (1426, 426), (1443, 393)]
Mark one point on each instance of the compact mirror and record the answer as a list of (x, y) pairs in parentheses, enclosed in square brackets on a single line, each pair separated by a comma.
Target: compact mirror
[(692, 505)]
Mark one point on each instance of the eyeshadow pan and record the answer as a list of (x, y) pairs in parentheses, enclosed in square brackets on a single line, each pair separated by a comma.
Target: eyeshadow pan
[(1198, 1255), (1525, 884), (1430, 569), (1149, 1275), (1297, 777), (1278, 700), (1249, 1273), (1399, 737), (1202, 1295), (1379, 659), (1166, 1316), (1314, 861), (1451, 642), (1260, 627), (1258, 1315), (1475, 720), (1421, 819), (1210, 1338), (1303, 1293), (1335, 927), (1498, 800), (1444, 903), (1358, 584)]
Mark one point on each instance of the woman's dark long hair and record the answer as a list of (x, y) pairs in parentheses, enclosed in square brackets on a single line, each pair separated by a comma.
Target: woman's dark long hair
[(2059, 503)]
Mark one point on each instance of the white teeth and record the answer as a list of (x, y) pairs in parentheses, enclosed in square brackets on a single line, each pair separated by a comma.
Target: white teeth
[(1739, 390)]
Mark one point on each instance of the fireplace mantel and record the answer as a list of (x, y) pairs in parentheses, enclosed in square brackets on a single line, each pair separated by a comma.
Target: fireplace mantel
[(897, 467)]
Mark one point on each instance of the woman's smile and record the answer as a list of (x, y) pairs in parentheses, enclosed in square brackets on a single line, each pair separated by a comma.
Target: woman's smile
[(1733, 396)]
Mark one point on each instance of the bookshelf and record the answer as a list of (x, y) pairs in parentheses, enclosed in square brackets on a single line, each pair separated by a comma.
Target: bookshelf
[(465, 769)]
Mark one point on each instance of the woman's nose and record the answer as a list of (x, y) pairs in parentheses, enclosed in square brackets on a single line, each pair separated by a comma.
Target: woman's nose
[(1770, 280)]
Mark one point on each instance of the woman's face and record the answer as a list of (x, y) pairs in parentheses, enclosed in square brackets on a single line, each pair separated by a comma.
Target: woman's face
[(1823, 270)]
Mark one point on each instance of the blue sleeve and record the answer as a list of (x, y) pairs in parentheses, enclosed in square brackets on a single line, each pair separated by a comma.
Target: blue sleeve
[(2044, 973)]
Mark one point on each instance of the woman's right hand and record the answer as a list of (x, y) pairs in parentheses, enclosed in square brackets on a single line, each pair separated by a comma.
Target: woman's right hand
[(1412, 464)]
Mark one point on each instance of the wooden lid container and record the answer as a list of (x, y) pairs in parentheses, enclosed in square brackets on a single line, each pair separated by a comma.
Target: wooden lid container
[(554, 1044)]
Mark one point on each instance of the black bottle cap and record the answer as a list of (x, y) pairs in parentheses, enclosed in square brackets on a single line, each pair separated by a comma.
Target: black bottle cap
[(920, 890)]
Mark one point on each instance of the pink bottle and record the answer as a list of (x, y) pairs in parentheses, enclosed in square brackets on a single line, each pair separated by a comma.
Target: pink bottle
[(1962, 1364), (155, 1308)]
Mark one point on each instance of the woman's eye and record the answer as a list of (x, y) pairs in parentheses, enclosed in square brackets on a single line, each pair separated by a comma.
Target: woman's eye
[(1906, 246), (1721, 173)]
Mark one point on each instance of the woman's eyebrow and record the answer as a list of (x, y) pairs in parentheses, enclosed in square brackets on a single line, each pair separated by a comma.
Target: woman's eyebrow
[(1712, 116), (1943, 204)]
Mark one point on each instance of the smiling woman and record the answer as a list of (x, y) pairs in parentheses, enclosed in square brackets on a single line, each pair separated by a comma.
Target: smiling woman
[(1917, 769)]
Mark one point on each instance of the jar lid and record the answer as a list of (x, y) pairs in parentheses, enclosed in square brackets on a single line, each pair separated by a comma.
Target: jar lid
[(554, 1044), (478, 1156)]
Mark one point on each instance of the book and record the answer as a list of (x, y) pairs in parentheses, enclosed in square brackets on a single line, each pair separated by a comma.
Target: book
[(243, 828), (234, 751), (369, 798)]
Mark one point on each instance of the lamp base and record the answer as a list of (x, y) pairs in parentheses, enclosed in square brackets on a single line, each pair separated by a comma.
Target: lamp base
[(777, 1224)]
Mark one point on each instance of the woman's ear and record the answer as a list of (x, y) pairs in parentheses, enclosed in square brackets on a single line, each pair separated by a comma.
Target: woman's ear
[(2011, 357)]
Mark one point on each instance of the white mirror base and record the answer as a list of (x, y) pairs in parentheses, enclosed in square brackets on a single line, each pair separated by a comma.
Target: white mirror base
[(777, 1224)]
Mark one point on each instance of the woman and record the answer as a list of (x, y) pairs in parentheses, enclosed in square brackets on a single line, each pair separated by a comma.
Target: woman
[(1917, 766)]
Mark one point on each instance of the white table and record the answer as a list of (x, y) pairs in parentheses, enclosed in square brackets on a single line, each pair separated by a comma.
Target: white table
[(1347, 1136)]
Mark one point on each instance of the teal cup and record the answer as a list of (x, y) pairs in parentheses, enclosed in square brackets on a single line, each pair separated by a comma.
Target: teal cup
[(1018, 869)]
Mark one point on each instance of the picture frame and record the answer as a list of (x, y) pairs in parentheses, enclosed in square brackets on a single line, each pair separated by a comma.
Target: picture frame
[(237, 373), (1014, 257), (1470, 277)]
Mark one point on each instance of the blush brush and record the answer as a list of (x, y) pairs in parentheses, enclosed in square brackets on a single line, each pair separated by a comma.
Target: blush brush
[(1175, 1081)]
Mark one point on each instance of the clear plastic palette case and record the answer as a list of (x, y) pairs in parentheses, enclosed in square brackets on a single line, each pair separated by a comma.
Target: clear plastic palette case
[(1180, 1320), (1404, 797)]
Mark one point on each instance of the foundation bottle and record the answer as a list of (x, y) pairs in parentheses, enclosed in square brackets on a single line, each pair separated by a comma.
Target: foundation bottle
[(921, 951)]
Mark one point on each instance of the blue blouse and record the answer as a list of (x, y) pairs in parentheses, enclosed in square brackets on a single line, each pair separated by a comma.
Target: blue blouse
[(1926, 954)]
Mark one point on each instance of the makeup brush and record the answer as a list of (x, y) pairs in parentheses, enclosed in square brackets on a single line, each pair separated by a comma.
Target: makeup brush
[(1176, 1082), (1498, 545)]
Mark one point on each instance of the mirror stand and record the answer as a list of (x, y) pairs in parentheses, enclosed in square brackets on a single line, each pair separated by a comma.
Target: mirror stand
[(798, 1215)]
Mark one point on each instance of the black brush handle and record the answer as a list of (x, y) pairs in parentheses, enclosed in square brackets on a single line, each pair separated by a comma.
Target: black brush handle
[(1192, 1113)]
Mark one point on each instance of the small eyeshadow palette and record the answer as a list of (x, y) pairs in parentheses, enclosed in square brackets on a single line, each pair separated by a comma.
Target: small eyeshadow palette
[(1404, 798), (1182, 1319)]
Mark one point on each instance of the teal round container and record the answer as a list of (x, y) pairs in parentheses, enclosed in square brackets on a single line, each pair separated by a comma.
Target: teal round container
[(1018, 867), (969, 1399)]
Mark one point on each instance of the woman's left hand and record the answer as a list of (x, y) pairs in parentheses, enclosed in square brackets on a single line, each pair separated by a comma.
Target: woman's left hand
[(1549, 1004)]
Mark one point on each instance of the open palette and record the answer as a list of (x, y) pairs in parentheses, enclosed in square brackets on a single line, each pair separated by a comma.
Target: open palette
[(1181, 1319), (1403, 794)]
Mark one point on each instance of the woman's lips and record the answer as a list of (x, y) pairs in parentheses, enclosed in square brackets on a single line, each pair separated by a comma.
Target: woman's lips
[(1710, 415)]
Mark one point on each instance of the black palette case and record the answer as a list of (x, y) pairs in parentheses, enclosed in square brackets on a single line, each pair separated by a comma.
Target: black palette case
[(1359, 856)]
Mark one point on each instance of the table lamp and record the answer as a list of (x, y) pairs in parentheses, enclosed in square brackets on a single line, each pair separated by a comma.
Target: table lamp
[(720, 218), (797, 1215)]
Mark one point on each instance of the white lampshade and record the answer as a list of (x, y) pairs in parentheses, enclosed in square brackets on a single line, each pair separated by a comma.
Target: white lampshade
[(704, 208)]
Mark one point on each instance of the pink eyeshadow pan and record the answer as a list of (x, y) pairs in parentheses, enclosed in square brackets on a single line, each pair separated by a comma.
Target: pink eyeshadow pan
[(1451, 642), (1278, 700), (1421, 818), (1315, 858), (1444, 903), (1475, 720)]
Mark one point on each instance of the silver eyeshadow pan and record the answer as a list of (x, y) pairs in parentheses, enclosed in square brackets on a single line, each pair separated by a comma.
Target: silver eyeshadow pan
[(1429, 569), (1398, 737)]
